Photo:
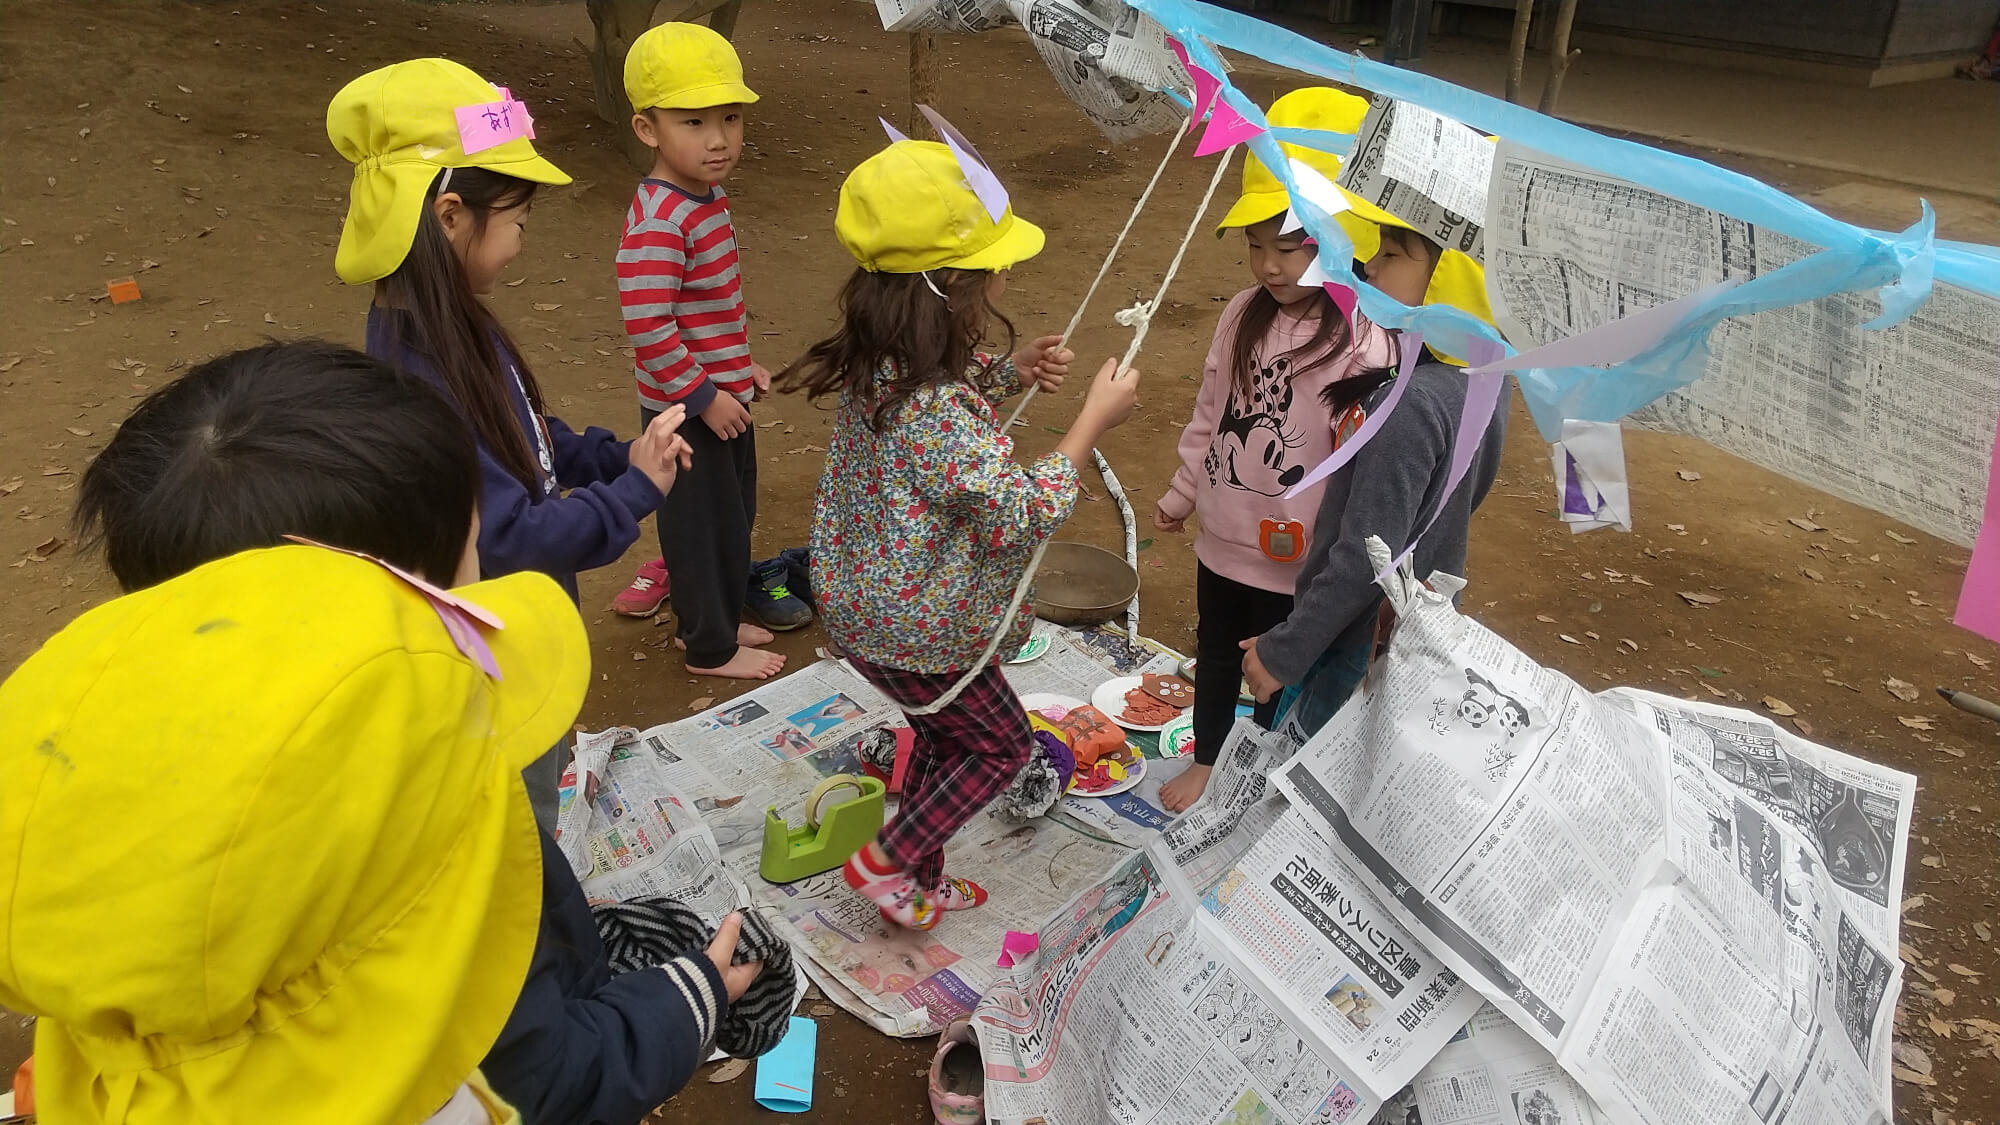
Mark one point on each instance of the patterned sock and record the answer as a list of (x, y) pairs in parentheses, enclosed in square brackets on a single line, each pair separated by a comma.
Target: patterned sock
[(892, 889), (958, 894)]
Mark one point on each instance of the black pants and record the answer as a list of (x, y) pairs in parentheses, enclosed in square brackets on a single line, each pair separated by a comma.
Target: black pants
[(1229, 614), (705, 525)]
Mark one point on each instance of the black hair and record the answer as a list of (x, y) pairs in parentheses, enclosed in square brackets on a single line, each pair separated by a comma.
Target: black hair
[(900, 332), (306, 438), (1330, 338), (433, 312)]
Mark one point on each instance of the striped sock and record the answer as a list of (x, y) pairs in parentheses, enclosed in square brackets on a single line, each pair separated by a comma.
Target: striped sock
[(892, 889)]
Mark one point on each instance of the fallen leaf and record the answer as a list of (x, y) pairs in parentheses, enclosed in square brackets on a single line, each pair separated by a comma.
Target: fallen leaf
[(517, 281), (728, 802), (1917, 722), (1680, 527), (1903, 539), (1629, 643), (1961, 970), (822, 1009), (1687, 474), (8, 363), (1943, 1029), (1944, 996), (1815, 575), (1804, 524), (1933, 861), (1915, 901), (1903, 1074), (46, 548), (1569, 639), (1715, 691), (732, 1069), (78, 431), (702, 704), (1545, 619), (1985, 932), (1778, 706), (1912, 1056), (638, 656), (54, 471), (1845, 538), (269, 319), (1979, 660), (1695, 598), (1805, 728), (547, 306), (1901, 689), (11, 486)]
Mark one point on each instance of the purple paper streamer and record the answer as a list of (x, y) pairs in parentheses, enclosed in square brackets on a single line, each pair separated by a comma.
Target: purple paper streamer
[(1482, 397), (1412, 344), (1575, 502)]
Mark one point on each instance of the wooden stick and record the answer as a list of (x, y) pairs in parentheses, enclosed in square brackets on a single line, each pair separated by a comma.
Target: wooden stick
[(1560, 56), (1517, 47)]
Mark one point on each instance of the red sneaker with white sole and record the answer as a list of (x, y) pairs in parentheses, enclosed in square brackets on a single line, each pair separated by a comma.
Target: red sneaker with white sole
[(646, 594)]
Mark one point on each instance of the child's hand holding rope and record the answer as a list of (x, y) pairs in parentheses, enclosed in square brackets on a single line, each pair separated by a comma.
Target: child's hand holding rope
[(1045, 362)]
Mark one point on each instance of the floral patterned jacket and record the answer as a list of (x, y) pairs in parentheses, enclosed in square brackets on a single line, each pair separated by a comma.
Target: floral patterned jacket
[(920, 532)]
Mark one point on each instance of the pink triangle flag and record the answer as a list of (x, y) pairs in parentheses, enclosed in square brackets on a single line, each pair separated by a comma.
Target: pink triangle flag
[(1226, 127), (1343, 297), (1205, 85)]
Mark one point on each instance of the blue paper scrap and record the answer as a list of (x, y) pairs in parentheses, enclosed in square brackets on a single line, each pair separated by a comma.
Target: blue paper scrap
[(785, 1074)]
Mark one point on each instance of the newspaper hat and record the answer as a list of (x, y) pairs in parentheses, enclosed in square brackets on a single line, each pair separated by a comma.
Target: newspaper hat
[(269, 861), (399, 126), (1314, 107), (914, 207)]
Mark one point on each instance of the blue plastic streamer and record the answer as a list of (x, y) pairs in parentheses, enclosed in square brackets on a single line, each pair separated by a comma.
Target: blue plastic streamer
[(1901, 266)]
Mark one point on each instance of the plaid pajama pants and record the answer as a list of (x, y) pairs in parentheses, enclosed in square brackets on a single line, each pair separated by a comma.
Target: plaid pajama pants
[(964, 756)]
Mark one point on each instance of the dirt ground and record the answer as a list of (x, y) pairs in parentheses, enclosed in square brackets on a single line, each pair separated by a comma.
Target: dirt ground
[(184, 143)]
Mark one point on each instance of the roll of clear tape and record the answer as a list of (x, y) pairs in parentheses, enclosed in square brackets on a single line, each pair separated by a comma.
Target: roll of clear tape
[(817, 798)]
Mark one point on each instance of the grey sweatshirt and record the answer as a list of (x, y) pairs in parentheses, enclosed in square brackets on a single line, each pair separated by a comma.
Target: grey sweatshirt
[(1389, 489)]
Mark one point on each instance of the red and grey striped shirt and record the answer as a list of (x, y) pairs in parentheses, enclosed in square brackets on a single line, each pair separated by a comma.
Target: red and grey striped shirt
[(681, 298)]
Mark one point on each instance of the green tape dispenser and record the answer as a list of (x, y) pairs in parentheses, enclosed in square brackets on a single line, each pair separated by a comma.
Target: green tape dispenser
[(834, 829)]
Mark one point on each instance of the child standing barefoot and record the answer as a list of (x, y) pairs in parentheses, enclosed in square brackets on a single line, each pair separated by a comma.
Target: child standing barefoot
[(924, 521), (1259, 424)]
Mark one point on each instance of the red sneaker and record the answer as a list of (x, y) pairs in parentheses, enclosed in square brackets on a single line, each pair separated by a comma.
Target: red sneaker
[(646, 594)]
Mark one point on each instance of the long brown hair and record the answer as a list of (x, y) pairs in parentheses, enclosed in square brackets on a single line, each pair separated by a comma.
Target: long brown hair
[(1329, 339), (434, 313), (896, 336)]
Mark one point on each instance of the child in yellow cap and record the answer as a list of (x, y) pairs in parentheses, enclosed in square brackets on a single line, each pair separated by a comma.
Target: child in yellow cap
[(682, 301), (350, 741), (923, 521), (444, 177), (1259, 424)]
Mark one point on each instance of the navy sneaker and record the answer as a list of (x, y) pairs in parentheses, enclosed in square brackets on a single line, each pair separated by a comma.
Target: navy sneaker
[(798, 574), (772, 602)]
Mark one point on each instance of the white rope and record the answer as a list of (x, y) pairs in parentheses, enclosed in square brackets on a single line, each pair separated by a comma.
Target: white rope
[(1139, 318)]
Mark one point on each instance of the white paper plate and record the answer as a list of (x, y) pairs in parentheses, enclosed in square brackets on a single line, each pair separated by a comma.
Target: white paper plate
[(1036, 700), (1036, 646), (1135, 772), (1177, 737), (1110, 699)]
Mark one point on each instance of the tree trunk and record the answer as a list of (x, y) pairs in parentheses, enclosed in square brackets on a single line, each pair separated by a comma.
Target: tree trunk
[(618, 23), (1409, 22), (923, 84), (1517, 47), (1560, 56)]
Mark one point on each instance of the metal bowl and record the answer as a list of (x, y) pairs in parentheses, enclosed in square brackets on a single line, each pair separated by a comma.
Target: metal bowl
[(1082, 585)]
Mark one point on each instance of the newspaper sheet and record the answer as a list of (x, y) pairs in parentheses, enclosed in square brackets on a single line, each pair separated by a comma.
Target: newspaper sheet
[(680, 809), (1230, 973), (1491, 1073), (1109, 59), (1425, 169), (1901, 421), (1669, 934)]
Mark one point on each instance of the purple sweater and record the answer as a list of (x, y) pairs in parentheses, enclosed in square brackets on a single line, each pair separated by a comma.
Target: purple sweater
[(555, 532)]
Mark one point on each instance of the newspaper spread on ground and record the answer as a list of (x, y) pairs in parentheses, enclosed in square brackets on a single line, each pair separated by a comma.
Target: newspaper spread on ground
[(1691, 947), (1110, 59), (1425, 169), (1901, 421), (680, 810), (1491, 1073), (1231, 972)]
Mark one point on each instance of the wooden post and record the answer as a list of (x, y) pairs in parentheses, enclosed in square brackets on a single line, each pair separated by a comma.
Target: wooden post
[(1517, 47), (1409, 21), (1560, 55), (923, 83)]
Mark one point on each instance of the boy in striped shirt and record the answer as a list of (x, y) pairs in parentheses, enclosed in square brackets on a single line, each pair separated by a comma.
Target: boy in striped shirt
[(682, 304)]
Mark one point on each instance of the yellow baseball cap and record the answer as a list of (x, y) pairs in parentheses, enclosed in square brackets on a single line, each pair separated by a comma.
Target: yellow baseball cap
[(270, 860), (1314, 107), (908, 209), (684, 66), (399, 126)]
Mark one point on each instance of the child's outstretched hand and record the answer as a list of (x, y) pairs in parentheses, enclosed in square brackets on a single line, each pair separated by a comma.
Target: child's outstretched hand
[(760, 377), (735, 978), (1164, 522), (661, 452), (1045, 361), (726, 416)]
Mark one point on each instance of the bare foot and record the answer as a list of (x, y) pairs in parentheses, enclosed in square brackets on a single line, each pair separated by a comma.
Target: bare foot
[(746, 634), (1186, 789), (747, 664)]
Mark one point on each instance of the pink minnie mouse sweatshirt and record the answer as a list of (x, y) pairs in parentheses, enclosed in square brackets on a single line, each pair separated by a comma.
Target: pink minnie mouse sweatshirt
[(1240, 453)]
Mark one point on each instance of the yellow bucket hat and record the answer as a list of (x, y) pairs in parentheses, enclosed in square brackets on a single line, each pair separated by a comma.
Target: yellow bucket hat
[(909, 208), (267, 861), (399, 126), (684, 66), (1314, 107)]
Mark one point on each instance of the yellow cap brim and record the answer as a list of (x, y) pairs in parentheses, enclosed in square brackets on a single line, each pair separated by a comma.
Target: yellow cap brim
[(1252, 208), (707, 97), (1019, 240), (387, 199)]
